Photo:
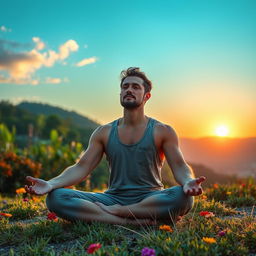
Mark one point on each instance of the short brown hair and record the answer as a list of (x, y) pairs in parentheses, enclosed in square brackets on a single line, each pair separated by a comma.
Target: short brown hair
[(134, 71)]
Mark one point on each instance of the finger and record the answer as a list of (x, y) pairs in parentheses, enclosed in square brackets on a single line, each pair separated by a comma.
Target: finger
[(200, 179)]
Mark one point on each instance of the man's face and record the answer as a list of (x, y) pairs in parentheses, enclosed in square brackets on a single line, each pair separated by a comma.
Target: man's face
[(133, 92)]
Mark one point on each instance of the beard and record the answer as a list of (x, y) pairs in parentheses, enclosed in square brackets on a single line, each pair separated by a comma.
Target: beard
[(131, 105)]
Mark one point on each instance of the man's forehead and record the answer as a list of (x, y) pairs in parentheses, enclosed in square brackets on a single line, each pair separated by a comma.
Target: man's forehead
[(133, 80)]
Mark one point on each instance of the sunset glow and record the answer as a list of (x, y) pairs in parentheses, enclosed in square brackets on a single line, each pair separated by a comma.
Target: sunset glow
[(222, 131)]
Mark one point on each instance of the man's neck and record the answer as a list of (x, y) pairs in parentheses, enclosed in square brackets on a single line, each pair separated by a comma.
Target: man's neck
[(134, 117)]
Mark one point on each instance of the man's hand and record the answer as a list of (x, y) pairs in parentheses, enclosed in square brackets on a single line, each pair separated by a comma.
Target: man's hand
[(193, 187), (38, 187)]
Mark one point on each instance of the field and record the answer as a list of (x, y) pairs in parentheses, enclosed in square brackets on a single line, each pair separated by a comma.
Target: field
[(222, 222)]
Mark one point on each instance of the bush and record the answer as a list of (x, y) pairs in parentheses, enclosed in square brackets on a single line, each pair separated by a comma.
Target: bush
[(14, 169)]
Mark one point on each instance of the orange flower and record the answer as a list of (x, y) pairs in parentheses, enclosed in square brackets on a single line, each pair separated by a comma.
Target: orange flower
[(206, 214), (166, 228), (209, 240), (21, 191), (204, 197), (228, 193), (93, 247), (215, 185), (5, 214)]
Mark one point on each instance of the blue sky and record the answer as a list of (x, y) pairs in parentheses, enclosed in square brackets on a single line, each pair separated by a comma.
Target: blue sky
[(200, 56)]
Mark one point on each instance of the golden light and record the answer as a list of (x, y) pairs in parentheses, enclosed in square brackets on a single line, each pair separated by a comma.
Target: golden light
[(222, 130)]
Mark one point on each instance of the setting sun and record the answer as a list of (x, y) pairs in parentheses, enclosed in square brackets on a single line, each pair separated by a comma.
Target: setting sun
[(222, 130)]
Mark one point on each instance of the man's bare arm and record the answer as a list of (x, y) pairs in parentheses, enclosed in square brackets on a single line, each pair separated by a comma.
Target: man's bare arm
[(182, 172), (75, 173)]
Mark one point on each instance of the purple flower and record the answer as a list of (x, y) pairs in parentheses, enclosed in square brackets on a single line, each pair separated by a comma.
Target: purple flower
[(148, 252), (222, 233)]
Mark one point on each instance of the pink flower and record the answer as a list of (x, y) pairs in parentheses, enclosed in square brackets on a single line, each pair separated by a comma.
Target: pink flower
[(206, 214), (93, 247), (25, 199)]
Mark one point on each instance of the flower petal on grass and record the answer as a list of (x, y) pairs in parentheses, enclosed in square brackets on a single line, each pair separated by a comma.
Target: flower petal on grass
[(52, 216), (206, 214), (148, 252), (5, 214), (209, 240), (20, 191), (93, 247), (166, 228)]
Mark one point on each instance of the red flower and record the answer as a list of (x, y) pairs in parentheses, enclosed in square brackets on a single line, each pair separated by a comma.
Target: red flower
[(93, 247), (25, 199), (52, 216), (206, 214)]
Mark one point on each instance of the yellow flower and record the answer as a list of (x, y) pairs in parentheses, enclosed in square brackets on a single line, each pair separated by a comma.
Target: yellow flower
[(166, 228), (116, 249), (228, 193), (209, 240), (21, 191), (168, 239)]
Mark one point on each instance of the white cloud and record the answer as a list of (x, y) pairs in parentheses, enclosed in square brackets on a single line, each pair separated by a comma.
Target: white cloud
[(40, 45), (86, 61), (51, 80), (5, 29), (20, 66)]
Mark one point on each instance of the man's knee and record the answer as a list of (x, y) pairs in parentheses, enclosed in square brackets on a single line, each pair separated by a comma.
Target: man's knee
[(55, 200), (181, 200)]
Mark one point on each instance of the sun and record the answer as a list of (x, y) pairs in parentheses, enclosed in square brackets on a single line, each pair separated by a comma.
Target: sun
[(222, 131)]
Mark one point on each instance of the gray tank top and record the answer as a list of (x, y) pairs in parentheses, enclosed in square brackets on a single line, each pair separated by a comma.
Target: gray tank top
[(134, 168)]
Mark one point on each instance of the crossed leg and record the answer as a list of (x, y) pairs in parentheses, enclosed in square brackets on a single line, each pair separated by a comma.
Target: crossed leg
[(168, 204), (68, 204)]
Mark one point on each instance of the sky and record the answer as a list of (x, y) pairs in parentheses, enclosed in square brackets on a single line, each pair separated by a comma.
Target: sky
[(199, 55)]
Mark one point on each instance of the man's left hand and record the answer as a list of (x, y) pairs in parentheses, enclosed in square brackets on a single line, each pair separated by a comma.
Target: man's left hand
[(193, 187)]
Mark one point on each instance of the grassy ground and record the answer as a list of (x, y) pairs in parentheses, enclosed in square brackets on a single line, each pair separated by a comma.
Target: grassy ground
[(215, 226)]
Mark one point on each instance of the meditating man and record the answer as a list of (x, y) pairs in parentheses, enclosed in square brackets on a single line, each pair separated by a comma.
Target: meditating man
[(135, 146)]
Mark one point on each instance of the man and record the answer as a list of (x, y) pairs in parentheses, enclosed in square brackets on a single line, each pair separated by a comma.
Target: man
[(135, 146)]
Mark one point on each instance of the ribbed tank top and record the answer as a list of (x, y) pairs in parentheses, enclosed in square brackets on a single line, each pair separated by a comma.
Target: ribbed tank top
[(134, 168)]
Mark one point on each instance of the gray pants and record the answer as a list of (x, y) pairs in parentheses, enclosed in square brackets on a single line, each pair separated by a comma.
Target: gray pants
[(170, 203)]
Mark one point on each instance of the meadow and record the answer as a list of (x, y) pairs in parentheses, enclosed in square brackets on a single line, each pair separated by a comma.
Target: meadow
[(222, 222)]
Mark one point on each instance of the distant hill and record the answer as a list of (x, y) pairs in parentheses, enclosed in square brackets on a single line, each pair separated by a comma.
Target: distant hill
[(45, 109), (223, 155)]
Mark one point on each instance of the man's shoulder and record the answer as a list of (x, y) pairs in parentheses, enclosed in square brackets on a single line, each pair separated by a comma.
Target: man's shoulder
[(103, 130), (164, 129)]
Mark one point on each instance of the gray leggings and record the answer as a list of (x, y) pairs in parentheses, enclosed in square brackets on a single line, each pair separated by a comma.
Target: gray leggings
[(170, 203)]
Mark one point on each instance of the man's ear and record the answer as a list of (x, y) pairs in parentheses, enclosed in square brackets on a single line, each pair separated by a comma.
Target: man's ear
[(148, 95)]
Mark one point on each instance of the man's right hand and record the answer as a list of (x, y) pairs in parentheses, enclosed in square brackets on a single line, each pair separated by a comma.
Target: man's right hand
[(38, 187)]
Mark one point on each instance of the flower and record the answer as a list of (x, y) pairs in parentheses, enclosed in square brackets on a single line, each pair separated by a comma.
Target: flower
[(204, 197), (93, 247), (166, 228), (209, 240), (52, 216), (222, 233), (215, 185), (148, 252), (206, 214), (168, 239), (20, 191), (25, 199), (5, 214), (228, 193)]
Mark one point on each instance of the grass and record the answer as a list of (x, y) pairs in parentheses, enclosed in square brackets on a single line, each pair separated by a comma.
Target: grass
[(29, 232)]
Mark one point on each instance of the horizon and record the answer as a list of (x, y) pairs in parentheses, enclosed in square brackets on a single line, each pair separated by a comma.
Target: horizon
[(95, 120), (200, 56)]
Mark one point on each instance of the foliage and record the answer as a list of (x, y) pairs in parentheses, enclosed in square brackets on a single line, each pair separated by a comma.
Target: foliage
[(14, 169)]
